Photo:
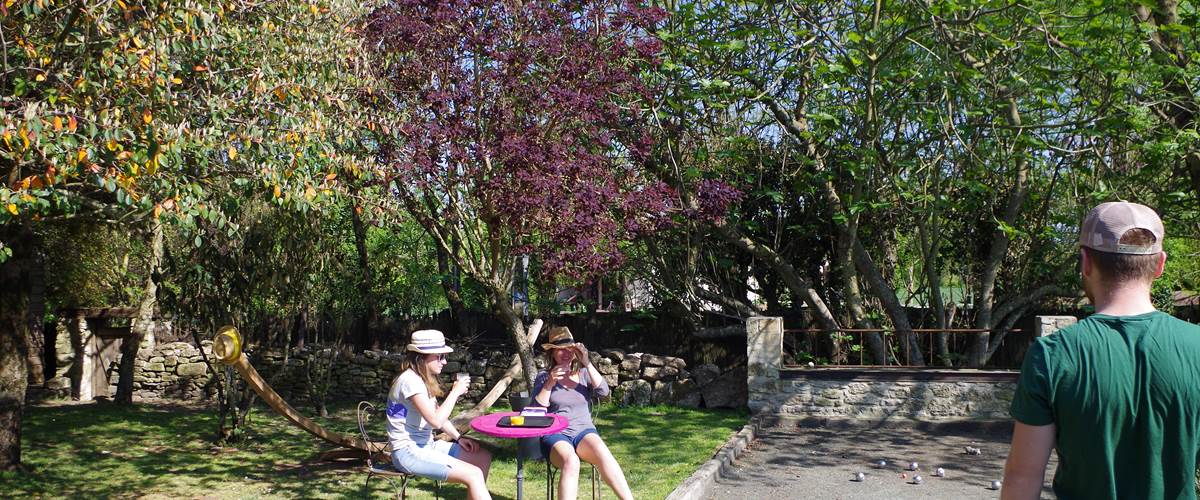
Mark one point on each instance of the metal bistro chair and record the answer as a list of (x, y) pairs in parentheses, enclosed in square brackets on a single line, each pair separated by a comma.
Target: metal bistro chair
[(385, 469), (551, 472)]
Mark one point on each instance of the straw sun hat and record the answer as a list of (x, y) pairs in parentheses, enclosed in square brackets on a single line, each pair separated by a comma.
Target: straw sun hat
[(560, 338), (428, 342)]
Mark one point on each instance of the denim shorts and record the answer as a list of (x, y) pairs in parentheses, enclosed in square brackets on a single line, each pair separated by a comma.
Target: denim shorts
[(548, 441), (431, 461)]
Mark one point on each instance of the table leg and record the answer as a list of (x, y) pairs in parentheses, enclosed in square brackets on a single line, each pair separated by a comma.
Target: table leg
[(520, 477)]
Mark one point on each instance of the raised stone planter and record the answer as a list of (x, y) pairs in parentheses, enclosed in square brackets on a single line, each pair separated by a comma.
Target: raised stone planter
[(874, 393)]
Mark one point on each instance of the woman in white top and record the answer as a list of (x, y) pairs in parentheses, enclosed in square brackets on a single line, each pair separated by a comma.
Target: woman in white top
[(413, 413)]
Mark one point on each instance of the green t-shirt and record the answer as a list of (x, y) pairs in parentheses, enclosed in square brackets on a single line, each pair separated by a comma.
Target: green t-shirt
[(1124, 393)]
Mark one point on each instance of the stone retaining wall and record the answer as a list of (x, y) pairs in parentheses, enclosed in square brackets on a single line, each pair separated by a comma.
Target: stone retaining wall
[(879, 399), (871, 393), (177, 371)]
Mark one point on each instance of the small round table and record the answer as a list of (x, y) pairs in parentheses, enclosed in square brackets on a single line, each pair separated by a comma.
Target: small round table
[(489, 424)]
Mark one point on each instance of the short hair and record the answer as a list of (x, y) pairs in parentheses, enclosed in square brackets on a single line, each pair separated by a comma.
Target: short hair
[(1119, 267)]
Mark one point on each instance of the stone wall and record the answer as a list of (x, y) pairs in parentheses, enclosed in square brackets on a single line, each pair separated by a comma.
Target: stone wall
[(886, 398), (872, 393), (177, 370)]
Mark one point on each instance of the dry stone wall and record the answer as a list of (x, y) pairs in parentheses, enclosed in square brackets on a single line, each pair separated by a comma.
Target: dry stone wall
[(880, 399), (873, 394), (177, 371)]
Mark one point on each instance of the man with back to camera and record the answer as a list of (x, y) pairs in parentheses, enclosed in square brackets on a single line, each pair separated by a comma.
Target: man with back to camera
[(1117, 394)]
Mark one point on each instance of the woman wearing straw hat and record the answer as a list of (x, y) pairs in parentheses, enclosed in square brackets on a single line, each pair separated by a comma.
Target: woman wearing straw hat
[(413, 412), (567, 389)]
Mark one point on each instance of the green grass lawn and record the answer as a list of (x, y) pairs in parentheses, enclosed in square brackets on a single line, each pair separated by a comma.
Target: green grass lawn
[(166, 451)]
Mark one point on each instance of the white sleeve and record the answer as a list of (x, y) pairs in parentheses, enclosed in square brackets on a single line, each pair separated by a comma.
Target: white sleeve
[(411, 385)]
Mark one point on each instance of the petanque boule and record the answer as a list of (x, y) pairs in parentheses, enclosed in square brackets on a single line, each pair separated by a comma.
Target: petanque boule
[(860, 477), (917, 479), (881, 464), (913, 466), (940, 472), (995, 485)]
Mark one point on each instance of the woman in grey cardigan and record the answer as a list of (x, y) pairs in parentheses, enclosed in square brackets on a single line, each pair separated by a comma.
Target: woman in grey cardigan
[(567, 389)]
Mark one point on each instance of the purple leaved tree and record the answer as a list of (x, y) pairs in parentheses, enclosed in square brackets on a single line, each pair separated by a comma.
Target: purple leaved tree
[(523, 132)]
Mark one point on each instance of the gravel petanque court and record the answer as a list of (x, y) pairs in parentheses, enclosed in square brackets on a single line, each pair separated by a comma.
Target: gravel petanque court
[(818, 459)]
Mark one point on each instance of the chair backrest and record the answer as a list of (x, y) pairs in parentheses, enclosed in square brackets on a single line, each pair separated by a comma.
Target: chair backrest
[(366, 410)]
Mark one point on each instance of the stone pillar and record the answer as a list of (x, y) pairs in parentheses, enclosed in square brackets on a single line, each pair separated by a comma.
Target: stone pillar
[(1046, 325), (764, 357)]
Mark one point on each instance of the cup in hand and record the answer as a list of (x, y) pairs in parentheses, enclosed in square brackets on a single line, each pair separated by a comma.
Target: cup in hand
[(463, 377)]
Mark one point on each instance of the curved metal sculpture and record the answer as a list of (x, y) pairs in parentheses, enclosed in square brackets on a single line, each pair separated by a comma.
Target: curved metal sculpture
[(227, 347)]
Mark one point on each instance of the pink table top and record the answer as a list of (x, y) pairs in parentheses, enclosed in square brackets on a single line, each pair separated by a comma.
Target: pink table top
[(489, 424)]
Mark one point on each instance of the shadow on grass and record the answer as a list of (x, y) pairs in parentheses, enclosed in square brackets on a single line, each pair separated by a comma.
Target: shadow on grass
[(157, 449)]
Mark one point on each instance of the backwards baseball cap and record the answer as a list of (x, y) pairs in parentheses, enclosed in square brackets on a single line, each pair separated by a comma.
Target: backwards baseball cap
[(1107, 223)]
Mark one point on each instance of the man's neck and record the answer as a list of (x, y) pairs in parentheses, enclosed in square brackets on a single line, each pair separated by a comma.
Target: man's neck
[(1129, 300)]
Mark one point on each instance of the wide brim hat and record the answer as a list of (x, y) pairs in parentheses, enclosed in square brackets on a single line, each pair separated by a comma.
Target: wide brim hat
[(560, 338), (428, 342)]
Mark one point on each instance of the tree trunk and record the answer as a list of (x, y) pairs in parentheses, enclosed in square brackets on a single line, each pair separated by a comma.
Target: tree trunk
[(933, 279), (502, 308), (450, 287), (143, 324), (844, 268), (35, 328), (14, 323), (891, 304), (366, 283), (501, 386), (798, 286), (999, 249)]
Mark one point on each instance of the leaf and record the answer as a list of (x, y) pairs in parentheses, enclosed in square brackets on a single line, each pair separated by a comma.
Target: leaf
[(147, 117), (12, 209), (233, 154)]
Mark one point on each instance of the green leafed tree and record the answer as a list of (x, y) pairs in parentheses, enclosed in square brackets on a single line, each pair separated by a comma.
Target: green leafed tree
[(135, 113)]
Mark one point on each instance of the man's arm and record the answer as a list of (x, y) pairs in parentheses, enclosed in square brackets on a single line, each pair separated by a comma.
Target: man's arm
[(1025, 470)]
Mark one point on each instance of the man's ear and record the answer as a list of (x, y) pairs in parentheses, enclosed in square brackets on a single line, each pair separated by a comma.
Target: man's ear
[(1085, 263), (1162, 264)]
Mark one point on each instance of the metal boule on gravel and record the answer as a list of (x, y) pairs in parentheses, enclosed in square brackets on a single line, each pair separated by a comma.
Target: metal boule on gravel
[(995, 485), (940, 472), (881, 464), (917, 479), (860, 477), (913, 466)]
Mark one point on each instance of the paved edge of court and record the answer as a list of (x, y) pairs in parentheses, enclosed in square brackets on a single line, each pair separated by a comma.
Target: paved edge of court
[(700, 483)]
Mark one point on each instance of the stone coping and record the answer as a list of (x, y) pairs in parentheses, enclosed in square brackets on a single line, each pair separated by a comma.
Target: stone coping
[(998, 426), (885, 374)]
